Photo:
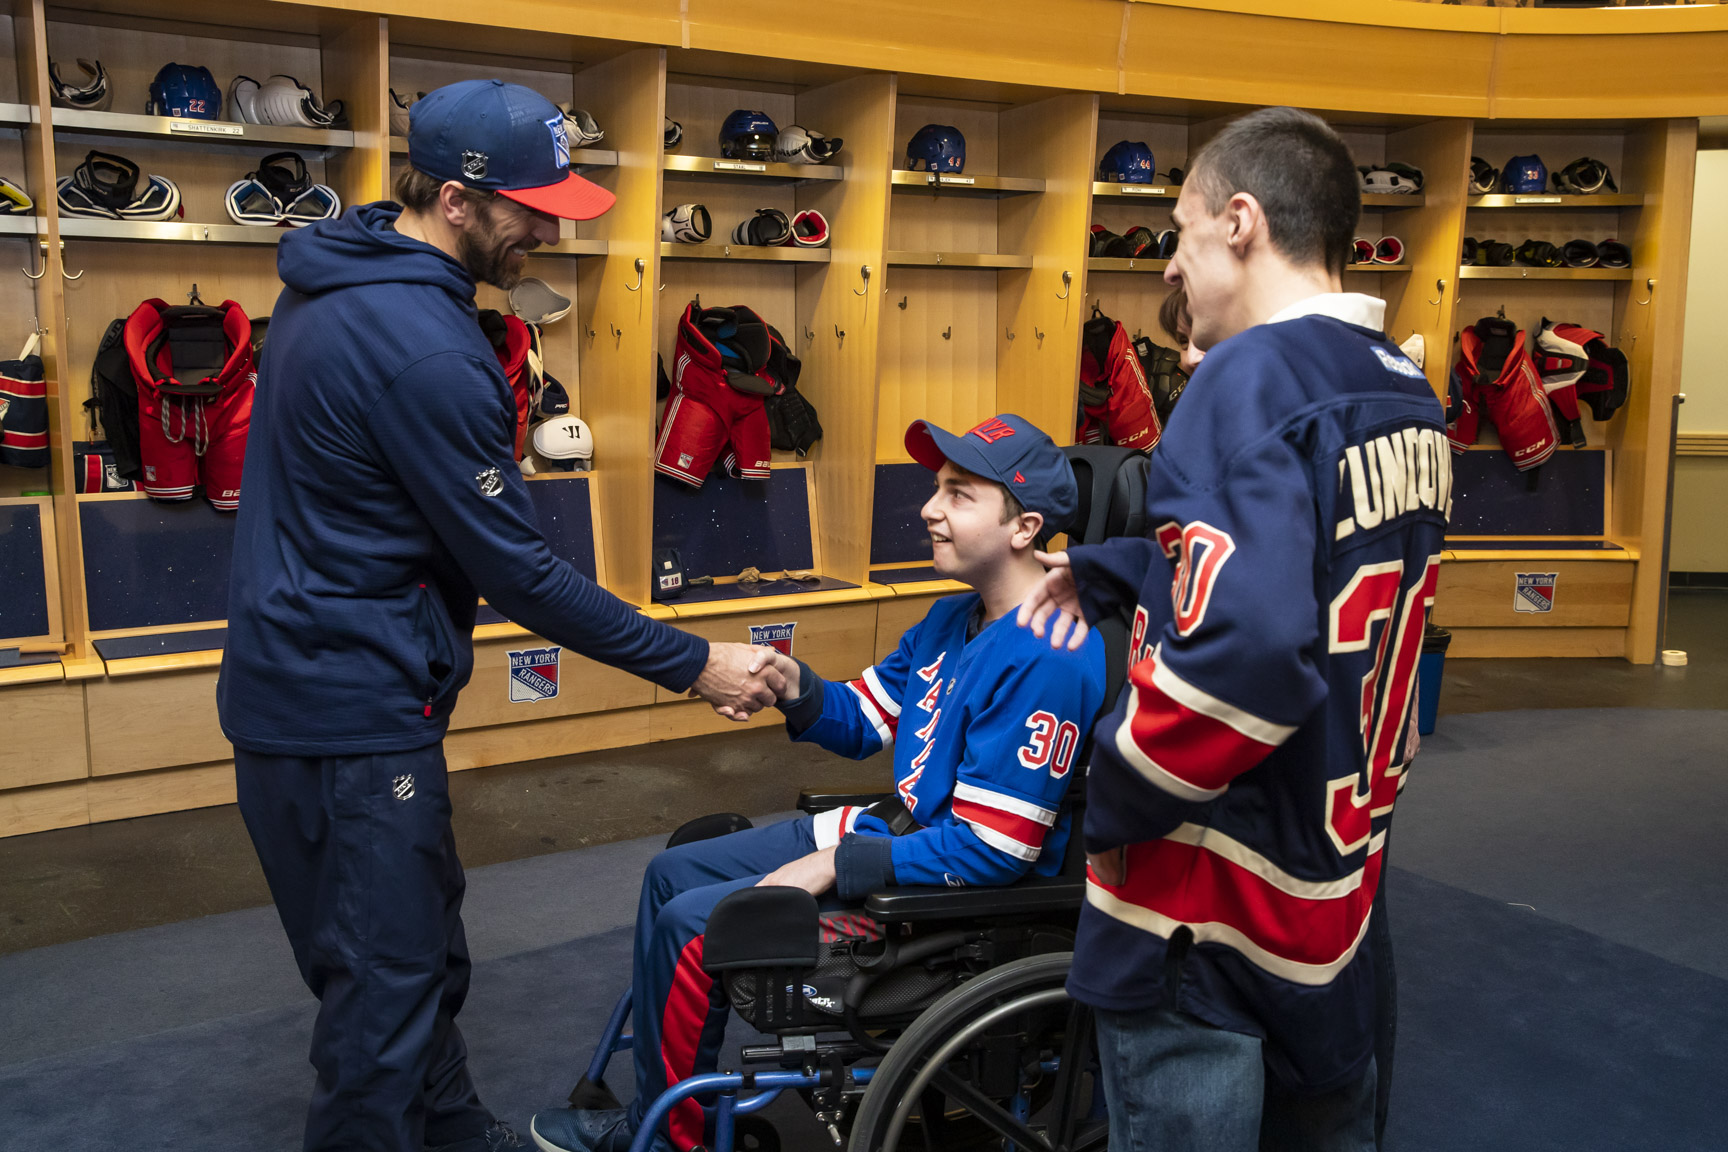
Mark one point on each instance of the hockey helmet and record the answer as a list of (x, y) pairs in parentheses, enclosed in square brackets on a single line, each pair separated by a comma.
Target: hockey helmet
[(936, 148), (399, 106), (92, 95), (796, 144), (686, 224), (1387, 182), (1524, 174), (185, 90), (565, 443), (748, 135), (283, 101), (1128, 162)]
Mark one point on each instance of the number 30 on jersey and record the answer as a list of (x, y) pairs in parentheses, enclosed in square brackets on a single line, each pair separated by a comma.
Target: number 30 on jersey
[(1052, 745)]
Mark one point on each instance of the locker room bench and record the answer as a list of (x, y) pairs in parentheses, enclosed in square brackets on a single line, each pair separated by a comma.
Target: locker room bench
[(43, 758), (1503, 527)]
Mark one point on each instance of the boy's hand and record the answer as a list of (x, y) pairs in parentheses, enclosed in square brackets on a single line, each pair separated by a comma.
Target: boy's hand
[(1109, 867), (813, 873), (1056, 595)]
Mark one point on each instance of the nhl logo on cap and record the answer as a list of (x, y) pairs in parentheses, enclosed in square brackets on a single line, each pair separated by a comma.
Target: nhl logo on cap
[(474, 165), (775, 636), (1533, 592), (533, 675)]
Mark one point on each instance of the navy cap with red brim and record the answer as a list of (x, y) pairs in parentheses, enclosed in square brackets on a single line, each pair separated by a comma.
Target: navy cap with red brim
[(1010, 450)]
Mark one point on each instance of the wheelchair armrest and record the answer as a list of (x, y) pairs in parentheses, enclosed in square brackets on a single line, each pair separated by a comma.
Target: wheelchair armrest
[(1037, 896), (813, 802)]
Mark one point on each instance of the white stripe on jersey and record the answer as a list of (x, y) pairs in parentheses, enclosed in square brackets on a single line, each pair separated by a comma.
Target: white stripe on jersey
[(1003, 843), (881, 695), (1203, 702), (1005, 803), (874, 716)]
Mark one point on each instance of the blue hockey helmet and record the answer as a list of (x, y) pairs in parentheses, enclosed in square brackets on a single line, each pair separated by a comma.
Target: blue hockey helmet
[(1128, 162), (748, 135), (937, 148), (1524, 174), (185, 90)]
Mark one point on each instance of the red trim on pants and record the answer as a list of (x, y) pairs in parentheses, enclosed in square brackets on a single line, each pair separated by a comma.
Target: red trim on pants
[(680, 1034)]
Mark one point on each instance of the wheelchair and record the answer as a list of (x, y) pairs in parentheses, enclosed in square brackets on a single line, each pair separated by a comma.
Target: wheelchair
[(945, 1025)]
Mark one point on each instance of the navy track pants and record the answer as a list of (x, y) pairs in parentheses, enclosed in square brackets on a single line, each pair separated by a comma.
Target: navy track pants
[(361, 862)]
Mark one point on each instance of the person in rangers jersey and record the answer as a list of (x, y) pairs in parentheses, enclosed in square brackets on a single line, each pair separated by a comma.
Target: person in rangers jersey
[(1241, 790), (985, 721)]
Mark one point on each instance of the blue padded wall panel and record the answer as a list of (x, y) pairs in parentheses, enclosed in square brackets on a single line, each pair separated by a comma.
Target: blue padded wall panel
[(148, 564), (1492, 498), (897, 533), (566, 518), (23, 590), (729, 525)]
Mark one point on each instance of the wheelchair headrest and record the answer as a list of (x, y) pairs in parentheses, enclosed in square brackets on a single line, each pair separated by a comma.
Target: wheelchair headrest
[(1112, 484)]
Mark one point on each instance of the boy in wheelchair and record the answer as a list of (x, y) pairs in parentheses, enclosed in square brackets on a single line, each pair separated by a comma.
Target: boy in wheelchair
[(993, 720)]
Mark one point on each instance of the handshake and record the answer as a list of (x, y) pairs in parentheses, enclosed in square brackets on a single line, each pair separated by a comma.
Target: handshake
[(741, 679)]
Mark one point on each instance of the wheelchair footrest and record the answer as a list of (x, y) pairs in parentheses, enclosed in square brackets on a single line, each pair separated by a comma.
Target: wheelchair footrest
[(593, 1094)]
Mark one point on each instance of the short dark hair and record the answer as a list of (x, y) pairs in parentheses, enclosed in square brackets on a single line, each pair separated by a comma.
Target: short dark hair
[(1300, 171), (1173, 315), (417, 192)]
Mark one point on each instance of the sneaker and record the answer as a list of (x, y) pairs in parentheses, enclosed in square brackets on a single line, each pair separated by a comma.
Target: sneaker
[(587, 1130), (500, 1137)]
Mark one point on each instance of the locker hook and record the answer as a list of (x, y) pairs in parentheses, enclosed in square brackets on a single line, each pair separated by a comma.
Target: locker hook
[(948, 332), (840, 336), (1440, 287), (1650, 287), (1010, 334), (865, 273), (902, 304), (43, 245), (1067, 283), (641, 267)]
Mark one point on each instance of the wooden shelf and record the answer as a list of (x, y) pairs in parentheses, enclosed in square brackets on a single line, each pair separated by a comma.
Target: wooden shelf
[(1382, 268), (571, 246), (723, 169), (1381, 201), (20, 225), (170, 231), (1136, 191), (579, 157), (16, 115), (1125, 264), (746, 253), (77, 121), (1519, 272), (1553, 200), (958, 260), (904, 180)]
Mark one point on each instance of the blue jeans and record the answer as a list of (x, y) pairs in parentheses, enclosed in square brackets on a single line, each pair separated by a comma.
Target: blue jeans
[(1176, 1084)]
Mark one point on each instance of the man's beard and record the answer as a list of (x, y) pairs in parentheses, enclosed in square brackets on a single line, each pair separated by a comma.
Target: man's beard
[(486, 259)]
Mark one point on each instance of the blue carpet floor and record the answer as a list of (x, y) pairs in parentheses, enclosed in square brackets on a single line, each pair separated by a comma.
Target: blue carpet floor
[(1556, 899)]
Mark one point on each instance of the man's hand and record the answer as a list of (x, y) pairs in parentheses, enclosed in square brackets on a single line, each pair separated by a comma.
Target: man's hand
[(1055, 596), (813, 873), (1109, 867), (733, 685), (766, 661)]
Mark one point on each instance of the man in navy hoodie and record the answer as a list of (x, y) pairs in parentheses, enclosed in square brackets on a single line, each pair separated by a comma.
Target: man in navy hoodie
[(382, 500)]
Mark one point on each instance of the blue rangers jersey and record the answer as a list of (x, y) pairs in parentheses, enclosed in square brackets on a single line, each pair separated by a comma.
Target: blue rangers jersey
[(985, 735), (1297, 507)]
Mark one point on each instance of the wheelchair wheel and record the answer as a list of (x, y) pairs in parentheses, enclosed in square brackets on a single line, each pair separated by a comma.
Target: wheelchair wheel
[(1004, 1059)]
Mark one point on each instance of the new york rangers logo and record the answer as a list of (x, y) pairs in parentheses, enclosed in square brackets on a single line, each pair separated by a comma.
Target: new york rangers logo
[(560, 141), (776, 636), (1533, 592), (533, 675), (992, 430)]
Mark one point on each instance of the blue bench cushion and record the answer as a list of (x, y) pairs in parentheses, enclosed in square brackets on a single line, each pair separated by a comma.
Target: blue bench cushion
[(161, 644)]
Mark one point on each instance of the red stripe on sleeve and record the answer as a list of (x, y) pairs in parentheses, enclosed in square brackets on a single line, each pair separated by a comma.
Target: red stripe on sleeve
[(1016, 828), (1190, 747)]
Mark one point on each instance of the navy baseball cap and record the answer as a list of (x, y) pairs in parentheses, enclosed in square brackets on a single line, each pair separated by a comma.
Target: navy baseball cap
[(505, 138), (1012, 451)]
